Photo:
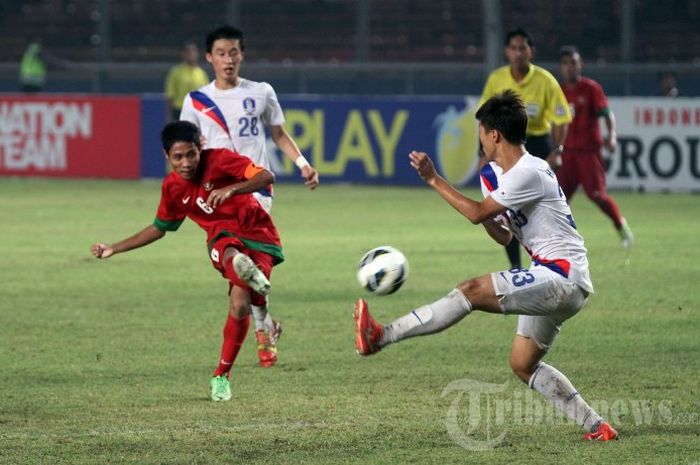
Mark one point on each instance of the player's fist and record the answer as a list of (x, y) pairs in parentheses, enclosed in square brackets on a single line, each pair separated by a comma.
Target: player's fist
[(423, 165), (101, 250), (611, 142), (311, 176)]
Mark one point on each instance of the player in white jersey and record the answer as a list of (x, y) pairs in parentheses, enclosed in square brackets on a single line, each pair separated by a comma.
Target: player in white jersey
[(524, 194), (232, 112)]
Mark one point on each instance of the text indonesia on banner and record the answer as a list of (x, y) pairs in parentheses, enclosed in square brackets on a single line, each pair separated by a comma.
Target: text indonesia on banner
[(70, 136), (658, 144)]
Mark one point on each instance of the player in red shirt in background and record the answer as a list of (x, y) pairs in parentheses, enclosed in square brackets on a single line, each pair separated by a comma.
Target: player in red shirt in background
[(582, 160), (213, 188)]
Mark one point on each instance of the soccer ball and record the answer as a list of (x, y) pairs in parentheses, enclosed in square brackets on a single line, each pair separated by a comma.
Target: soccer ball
[(382, 270)]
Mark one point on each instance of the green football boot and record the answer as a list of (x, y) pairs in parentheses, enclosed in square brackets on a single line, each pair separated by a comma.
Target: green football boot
[(220, 388)]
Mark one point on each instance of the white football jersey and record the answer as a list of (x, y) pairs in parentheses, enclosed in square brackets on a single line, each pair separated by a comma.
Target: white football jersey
[(539, 216), (235, 118)]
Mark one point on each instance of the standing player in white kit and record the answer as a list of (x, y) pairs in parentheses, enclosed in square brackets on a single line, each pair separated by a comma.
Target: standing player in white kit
[(553, 290), (232, 112)]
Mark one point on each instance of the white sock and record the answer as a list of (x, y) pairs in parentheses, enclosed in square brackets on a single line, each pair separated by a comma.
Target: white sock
[(260, 314), (557, 388), (428, 319)]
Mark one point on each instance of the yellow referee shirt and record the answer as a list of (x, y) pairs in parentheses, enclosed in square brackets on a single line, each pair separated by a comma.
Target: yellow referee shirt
[(544, 100), (181, 80)]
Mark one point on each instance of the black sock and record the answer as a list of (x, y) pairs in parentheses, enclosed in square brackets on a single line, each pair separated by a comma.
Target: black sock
[(513, 252)]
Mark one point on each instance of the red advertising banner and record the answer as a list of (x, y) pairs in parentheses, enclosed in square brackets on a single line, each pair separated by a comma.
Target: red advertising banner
[(70, 136)]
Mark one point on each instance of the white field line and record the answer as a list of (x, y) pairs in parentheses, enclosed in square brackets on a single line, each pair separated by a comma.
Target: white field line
[(199, 429)]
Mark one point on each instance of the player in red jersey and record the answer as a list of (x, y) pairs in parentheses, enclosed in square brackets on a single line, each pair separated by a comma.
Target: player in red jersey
[(213, 188), (582, 161)]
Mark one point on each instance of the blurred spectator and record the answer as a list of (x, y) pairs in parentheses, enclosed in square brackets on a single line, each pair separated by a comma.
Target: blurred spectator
[(32, 69), (183, 78), (667, 84)]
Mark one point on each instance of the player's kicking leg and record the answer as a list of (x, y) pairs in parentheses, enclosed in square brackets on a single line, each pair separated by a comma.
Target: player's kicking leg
[(497, 293), (267, 332), (371, 336), (247, 270)]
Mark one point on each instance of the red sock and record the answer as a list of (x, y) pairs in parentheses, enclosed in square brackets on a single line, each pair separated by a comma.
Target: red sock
[(235, 332), (610, 208)]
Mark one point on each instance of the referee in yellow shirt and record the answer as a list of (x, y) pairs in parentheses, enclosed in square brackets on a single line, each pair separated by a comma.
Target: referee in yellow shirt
[(184, 78), (548, 114)]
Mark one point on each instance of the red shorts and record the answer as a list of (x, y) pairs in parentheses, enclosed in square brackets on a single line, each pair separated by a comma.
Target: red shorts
[(263, 261), (584, 167)]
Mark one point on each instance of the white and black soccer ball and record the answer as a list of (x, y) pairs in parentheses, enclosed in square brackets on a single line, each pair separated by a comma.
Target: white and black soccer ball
[(382, 270)]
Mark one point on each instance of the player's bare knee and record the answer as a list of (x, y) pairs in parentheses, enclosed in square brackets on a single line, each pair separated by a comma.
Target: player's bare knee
[(471, 288)]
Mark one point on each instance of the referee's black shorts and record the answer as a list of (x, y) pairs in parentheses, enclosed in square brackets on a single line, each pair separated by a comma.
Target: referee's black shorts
[(539, 146)]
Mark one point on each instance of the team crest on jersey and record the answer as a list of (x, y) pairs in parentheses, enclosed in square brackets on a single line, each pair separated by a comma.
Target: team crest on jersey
[(249, 105), (208, 186)]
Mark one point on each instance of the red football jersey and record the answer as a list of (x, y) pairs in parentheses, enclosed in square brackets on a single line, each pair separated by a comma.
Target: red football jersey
[(240, 216), (588, 102)]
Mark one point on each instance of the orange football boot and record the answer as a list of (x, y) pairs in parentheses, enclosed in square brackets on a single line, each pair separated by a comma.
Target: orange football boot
[(267, 351), (605, 432), (368, 332)]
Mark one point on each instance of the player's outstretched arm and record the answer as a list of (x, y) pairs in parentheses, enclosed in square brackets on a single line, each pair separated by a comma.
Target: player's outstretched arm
[(476, 212), (144, 237), (287, 145)]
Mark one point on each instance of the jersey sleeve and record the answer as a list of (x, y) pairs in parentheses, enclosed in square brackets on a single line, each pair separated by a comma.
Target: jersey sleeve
[(557, 109), (188, 113), (273, 114), (488, 178), (523, 188), (600, 101), (236, 165), (168, 216)]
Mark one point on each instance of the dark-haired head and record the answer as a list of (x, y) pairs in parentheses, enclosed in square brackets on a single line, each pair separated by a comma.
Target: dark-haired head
[(506, 114), (519, 32), (568, 51), (179, 131), (224, 32)]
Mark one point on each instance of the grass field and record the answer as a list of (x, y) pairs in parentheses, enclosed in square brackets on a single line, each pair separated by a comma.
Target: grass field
[(109, 361)]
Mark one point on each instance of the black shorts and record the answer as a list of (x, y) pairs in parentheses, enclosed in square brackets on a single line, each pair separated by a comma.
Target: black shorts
[(539, 146)]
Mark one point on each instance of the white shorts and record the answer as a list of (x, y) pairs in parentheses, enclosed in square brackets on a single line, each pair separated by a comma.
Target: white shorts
[(543, 299), (265, 201)]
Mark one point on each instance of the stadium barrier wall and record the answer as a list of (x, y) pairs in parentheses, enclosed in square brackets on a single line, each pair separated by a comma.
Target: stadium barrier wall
[(349, 139), (76, 136)]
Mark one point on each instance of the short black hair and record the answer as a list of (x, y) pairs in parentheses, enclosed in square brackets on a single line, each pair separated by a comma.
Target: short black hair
[(520, 32), (505, 113), (224, 32), (568, 51), (179, 131)]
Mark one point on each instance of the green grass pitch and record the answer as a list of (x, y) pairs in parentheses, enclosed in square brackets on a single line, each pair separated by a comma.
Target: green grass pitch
[(109, 361)]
